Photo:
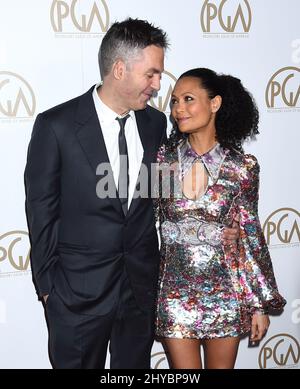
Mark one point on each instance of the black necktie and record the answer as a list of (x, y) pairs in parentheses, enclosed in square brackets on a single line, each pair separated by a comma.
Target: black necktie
[(123, 183)]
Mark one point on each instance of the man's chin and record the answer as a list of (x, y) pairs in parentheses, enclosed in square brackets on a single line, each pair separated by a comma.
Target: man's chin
[(141, 105)]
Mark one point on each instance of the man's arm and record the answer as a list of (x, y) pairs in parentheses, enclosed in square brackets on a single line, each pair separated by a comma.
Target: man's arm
[(42, 187)]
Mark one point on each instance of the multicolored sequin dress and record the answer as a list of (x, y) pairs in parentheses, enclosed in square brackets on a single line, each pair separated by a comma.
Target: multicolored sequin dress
[(208, 290)]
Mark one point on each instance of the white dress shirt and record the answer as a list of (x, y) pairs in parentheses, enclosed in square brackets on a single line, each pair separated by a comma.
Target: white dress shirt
[(110, 130)]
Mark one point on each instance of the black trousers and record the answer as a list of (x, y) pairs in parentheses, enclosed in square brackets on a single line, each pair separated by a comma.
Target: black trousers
[(79, 341)]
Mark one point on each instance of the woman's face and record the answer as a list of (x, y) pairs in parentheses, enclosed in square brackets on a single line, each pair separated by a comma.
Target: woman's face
[(192, 109)]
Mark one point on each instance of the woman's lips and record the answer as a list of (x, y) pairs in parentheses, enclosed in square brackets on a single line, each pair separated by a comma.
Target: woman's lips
[(182, 120)]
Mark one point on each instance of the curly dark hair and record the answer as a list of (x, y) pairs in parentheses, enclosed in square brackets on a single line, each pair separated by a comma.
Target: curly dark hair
[(238, 117)]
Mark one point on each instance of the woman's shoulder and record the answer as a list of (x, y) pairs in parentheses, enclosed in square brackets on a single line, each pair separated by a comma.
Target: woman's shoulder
[(246, 167), (161, 153), (243, 160), (250, 164), (167, 154), (250, 159)]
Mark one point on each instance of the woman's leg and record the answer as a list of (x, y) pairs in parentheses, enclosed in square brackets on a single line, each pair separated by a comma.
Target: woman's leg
[(220, 353), (183, 353)]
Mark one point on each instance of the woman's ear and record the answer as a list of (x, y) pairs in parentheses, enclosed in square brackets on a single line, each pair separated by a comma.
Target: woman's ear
[(216, 103)]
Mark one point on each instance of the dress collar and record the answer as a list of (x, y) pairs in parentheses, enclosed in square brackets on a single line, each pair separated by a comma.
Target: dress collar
[(212, 159)]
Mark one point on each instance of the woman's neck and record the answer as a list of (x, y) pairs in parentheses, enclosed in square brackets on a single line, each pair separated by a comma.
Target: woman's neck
[(202, 143)]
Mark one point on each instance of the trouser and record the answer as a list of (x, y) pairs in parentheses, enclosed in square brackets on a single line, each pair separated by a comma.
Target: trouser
[(80, 341)]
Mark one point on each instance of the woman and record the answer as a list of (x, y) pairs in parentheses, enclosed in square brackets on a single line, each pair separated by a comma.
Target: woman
[(211, 294)]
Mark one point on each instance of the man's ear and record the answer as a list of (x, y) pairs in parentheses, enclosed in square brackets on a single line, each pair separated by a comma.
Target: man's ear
[(119, 68), (216, 103)]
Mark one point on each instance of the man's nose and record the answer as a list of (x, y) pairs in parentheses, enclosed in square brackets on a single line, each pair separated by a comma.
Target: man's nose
[(156, 82)]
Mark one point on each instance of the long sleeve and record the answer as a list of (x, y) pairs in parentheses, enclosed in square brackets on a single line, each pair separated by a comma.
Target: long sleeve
[(42, 186), (255, 268)]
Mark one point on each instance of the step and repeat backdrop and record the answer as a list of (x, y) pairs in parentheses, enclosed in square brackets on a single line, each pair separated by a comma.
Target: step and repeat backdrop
[(48, 54)]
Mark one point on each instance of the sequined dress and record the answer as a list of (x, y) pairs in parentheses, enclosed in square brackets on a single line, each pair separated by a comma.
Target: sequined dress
[(208, 290)]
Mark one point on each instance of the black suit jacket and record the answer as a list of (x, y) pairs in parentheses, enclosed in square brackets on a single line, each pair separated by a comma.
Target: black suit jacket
[(79, 242)]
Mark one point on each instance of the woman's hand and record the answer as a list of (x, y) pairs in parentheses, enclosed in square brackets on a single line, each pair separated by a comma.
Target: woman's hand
[(259, 326)]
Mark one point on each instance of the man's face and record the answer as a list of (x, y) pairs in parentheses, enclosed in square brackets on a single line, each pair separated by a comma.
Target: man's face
[(142, 77)]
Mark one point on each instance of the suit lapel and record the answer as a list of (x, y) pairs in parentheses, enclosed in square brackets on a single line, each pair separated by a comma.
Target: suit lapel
[(143, 120), (90, 137)]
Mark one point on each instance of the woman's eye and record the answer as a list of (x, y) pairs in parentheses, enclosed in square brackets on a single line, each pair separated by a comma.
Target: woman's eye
[(173, 101), (188, 98)]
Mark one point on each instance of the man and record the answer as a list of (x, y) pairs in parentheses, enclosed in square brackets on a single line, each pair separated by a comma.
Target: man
[(95, 259)]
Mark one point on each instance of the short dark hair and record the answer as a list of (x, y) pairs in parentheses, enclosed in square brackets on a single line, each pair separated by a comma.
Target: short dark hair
[(238, 117), (125, 39)]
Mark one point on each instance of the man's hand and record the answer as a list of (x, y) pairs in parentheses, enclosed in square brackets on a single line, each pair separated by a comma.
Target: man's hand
[(230, 236), (45, 298)]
